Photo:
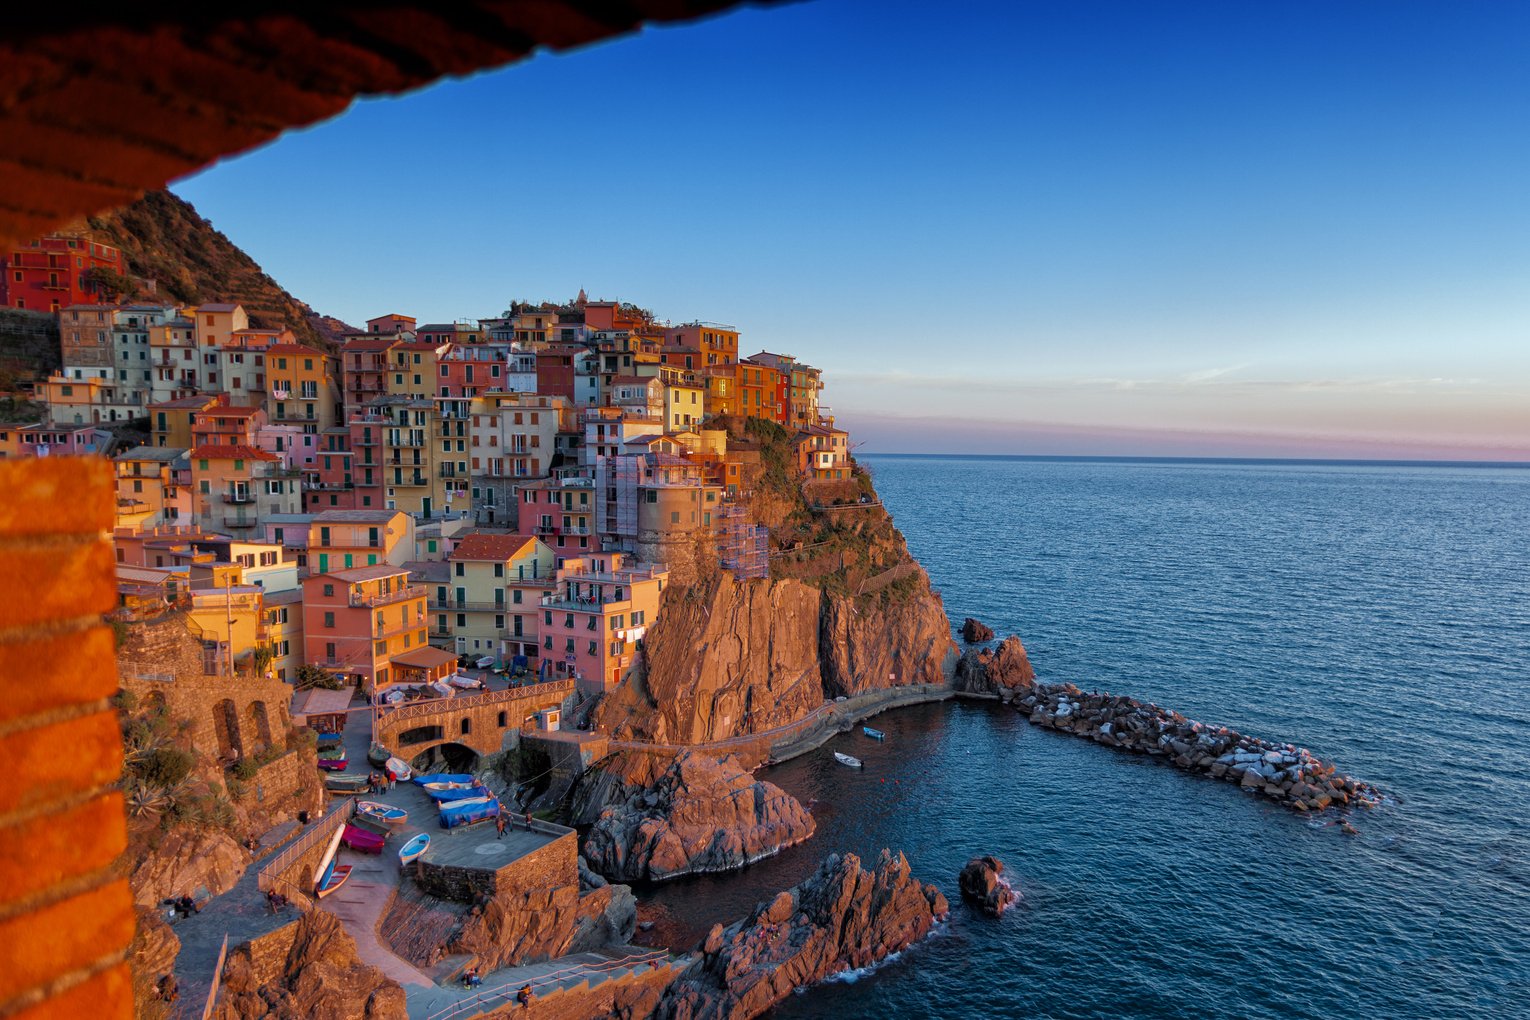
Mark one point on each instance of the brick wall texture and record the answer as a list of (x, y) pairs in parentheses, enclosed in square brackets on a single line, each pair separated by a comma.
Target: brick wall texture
[(66, 918)]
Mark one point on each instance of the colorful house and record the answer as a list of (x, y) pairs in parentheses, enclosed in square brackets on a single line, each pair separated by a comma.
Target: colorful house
[(355, 621), (491, 597), (592, 619)]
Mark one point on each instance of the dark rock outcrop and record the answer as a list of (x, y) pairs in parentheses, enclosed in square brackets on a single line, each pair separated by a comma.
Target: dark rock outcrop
[(982, 881), (1004, 671), (700, 815), (152, 956), (320, 978), (1285, 773), (976, 632), (842, 918)]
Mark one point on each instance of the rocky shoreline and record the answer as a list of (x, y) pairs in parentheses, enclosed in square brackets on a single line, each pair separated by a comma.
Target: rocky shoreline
[(1289, 775), (701, 814), (841, 918)]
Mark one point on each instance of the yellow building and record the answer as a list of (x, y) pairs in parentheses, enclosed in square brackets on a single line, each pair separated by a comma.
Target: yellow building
[(684, 405), (170, 421), (412, 455), (233, 616), (343, 539), (490, 598), (217, 322), (284, 633), (301, 388), (414, 369)]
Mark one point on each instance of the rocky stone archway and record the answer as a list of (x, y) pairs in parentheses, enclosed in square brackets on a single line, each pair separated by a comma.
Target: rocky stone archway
[(260, 723), (446, 756), (99, 104)]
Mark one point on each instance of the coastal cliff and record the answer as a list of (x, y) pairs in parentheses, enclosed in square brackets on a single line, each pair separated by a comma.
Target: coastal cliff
[(841, 918), (308, 968), (846, 610), (699, 815)]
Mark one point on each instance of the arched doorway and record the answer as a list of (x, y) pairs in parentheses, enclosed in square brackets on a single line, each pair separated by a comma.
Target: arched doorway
[(449, 757), (260, 724), (226, 724)]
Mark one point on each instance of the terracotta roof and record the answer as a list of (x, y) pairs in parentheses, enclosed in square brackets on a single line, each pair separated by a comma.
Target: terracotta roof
[(216, 306), (369, 342), (424, 657), (478, 546), (293, 349), (231, 411), (236, 451), (355, 516)]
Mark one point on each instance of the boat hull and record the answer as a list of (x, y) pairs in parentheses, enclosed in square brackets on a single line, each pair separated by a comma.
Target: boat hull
[(414, 849), (845, 759)]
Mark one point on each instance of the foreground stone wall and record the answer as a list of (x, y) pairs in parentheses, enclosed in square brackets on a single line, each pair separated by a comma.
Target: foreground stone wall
[(66, 917)]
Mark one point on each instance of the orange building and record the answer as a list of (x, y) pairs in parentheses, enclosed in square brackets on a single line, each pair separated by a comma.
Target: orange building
[(356, 621)]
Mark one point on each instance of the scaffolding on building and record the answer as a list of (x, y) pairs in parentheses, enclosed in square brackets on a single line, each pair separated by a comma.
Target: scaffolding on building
[(742, 546)]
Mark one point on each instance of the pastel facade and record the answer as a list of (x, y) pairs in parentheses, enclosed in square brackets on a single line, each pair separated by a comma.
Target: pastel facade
[(490, 600), (302, 387), (355, 621), (345, 539), (591, 621), (153, 487)]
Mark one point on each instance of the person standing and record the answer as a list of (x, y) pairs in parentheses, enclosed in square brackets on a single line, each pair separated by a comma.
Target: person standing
[(499, 825)]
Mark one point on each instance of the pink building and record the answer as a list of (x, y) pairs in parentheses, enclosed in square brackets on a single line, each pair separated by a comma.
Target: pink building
[(591, 622), (25, 440)]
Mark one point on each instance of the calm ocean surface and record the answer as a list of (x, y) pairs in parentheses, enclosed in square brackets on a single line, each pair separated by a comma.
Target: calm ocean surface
[(1378, 615)]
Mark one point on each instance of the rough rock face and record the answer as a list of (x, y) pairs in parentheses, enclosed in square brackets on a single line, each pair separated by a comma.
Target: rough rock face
[(321, 979), (722, 659), (700, 815), (152, 956), (976, 632), (185, 861), (841, 918), (982, 881), (519, 927), (868, 644), (1004, 671), (607, 916)]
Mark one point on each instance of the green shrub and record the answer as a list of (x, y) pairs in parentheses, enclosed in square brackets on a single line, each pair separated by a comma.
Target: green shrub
[(245, 769), (166, 766)]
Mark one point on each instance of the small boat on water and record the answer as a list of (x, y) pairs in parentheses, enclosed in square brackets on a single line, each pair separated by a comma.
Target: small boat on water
[(411, 850), (845, 759), (873, 734), (378, 755), (399, 768), (383, 812)]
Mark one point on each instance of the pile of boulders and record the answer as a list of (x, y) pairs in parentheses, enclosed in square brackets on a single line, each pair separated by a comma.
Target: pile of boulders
[(1288, 774), (982, 881)]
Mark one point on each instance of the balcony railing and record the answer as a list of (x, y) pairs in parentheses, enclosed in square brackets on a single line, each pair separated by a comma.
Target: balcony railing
[(238, 497), (388, 630), (239, 522), (411, 591), (448, 471), (412, 481)]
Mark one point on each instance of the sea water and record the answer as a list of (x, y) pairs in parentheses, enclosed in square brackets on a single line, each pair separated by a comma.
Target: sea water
[(1379, 615)]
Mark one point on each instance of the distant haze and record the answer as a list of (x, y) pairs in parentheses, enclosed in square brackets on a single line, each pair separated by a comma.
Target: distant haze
[(1074, 227)]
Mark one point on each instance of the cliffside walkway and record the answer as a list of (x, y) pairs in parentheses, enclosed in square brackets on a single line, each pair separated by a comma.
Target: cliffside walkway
[(812, 730), (447, 1002)]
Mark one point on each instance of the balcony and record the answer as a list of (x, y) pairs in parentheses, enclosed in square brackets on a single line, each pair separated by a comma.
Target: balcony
[(366, 441), (239, 522), (388, 630), (409, 591), (239, 497), (412, 481), (464, 606), (407, 442), (449, 471)]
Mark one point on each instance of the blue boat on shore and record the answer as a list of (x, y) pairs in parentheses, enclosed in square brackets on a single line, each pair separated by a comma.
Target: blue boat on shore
[(466, 812), (411, 851)]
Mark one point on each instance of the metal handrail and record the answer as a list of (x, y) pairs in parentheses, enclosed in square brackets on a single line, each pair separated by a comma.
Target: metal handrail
[(454, 704), (488, 998), (269, 875)]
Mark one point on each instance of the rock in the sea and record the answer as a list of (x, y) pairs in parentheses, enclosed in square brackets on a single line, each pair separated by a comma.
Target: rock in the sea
[(975, 632), (1005, 671), (842, 918), (982, 881), (319, 977), (701, 814)]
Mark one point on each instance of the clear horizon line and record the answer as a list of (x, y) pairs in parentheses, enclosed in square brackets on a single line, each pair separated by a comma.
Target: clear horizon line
[(1183, 458)]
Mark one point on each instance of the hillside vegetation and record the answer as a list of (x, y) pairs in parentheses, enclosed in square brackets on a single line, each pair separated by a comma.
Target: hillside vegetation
[(166, 240)]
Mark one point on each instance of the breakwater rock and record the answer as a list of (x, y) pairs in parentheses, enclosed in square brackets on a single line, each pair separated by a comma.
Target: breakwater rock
[(975, 631), (982, 881), (843, 917), (308, 968), (1285, 773), (1003, 672), (701, 814)]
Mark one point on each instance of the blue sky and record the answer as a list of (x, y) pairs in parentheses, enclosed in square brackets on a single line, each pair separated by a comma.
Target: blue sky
[(1224, 228)]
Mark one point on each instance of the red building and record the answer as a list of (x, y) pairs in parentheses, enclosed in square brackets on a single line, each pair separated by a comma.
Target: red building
[(52, 273), (555, 370)]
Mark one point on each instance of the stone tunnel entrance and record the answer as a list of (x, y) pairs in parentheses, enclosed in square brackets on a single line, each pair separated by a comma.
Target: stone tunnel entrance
[(446, 758)]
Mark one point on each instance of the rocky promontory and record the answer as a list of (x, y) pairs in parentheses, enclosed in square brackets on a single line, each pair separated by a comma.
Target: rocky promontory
[(701, 814), (975, 632), (307, 969), (843, 917), (1000, 672), (982, 881)]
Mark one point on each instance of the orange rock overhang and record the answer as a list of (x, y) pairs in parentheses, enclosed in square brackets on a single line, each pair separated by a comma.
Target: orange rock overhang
[(98, 106)]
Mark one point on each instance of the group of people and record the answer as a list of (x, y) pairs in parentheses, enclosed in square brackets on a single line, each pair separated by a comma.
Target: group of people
[(380, 782), (502, 822), (472, 979), (276, 901), (183, 905)]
